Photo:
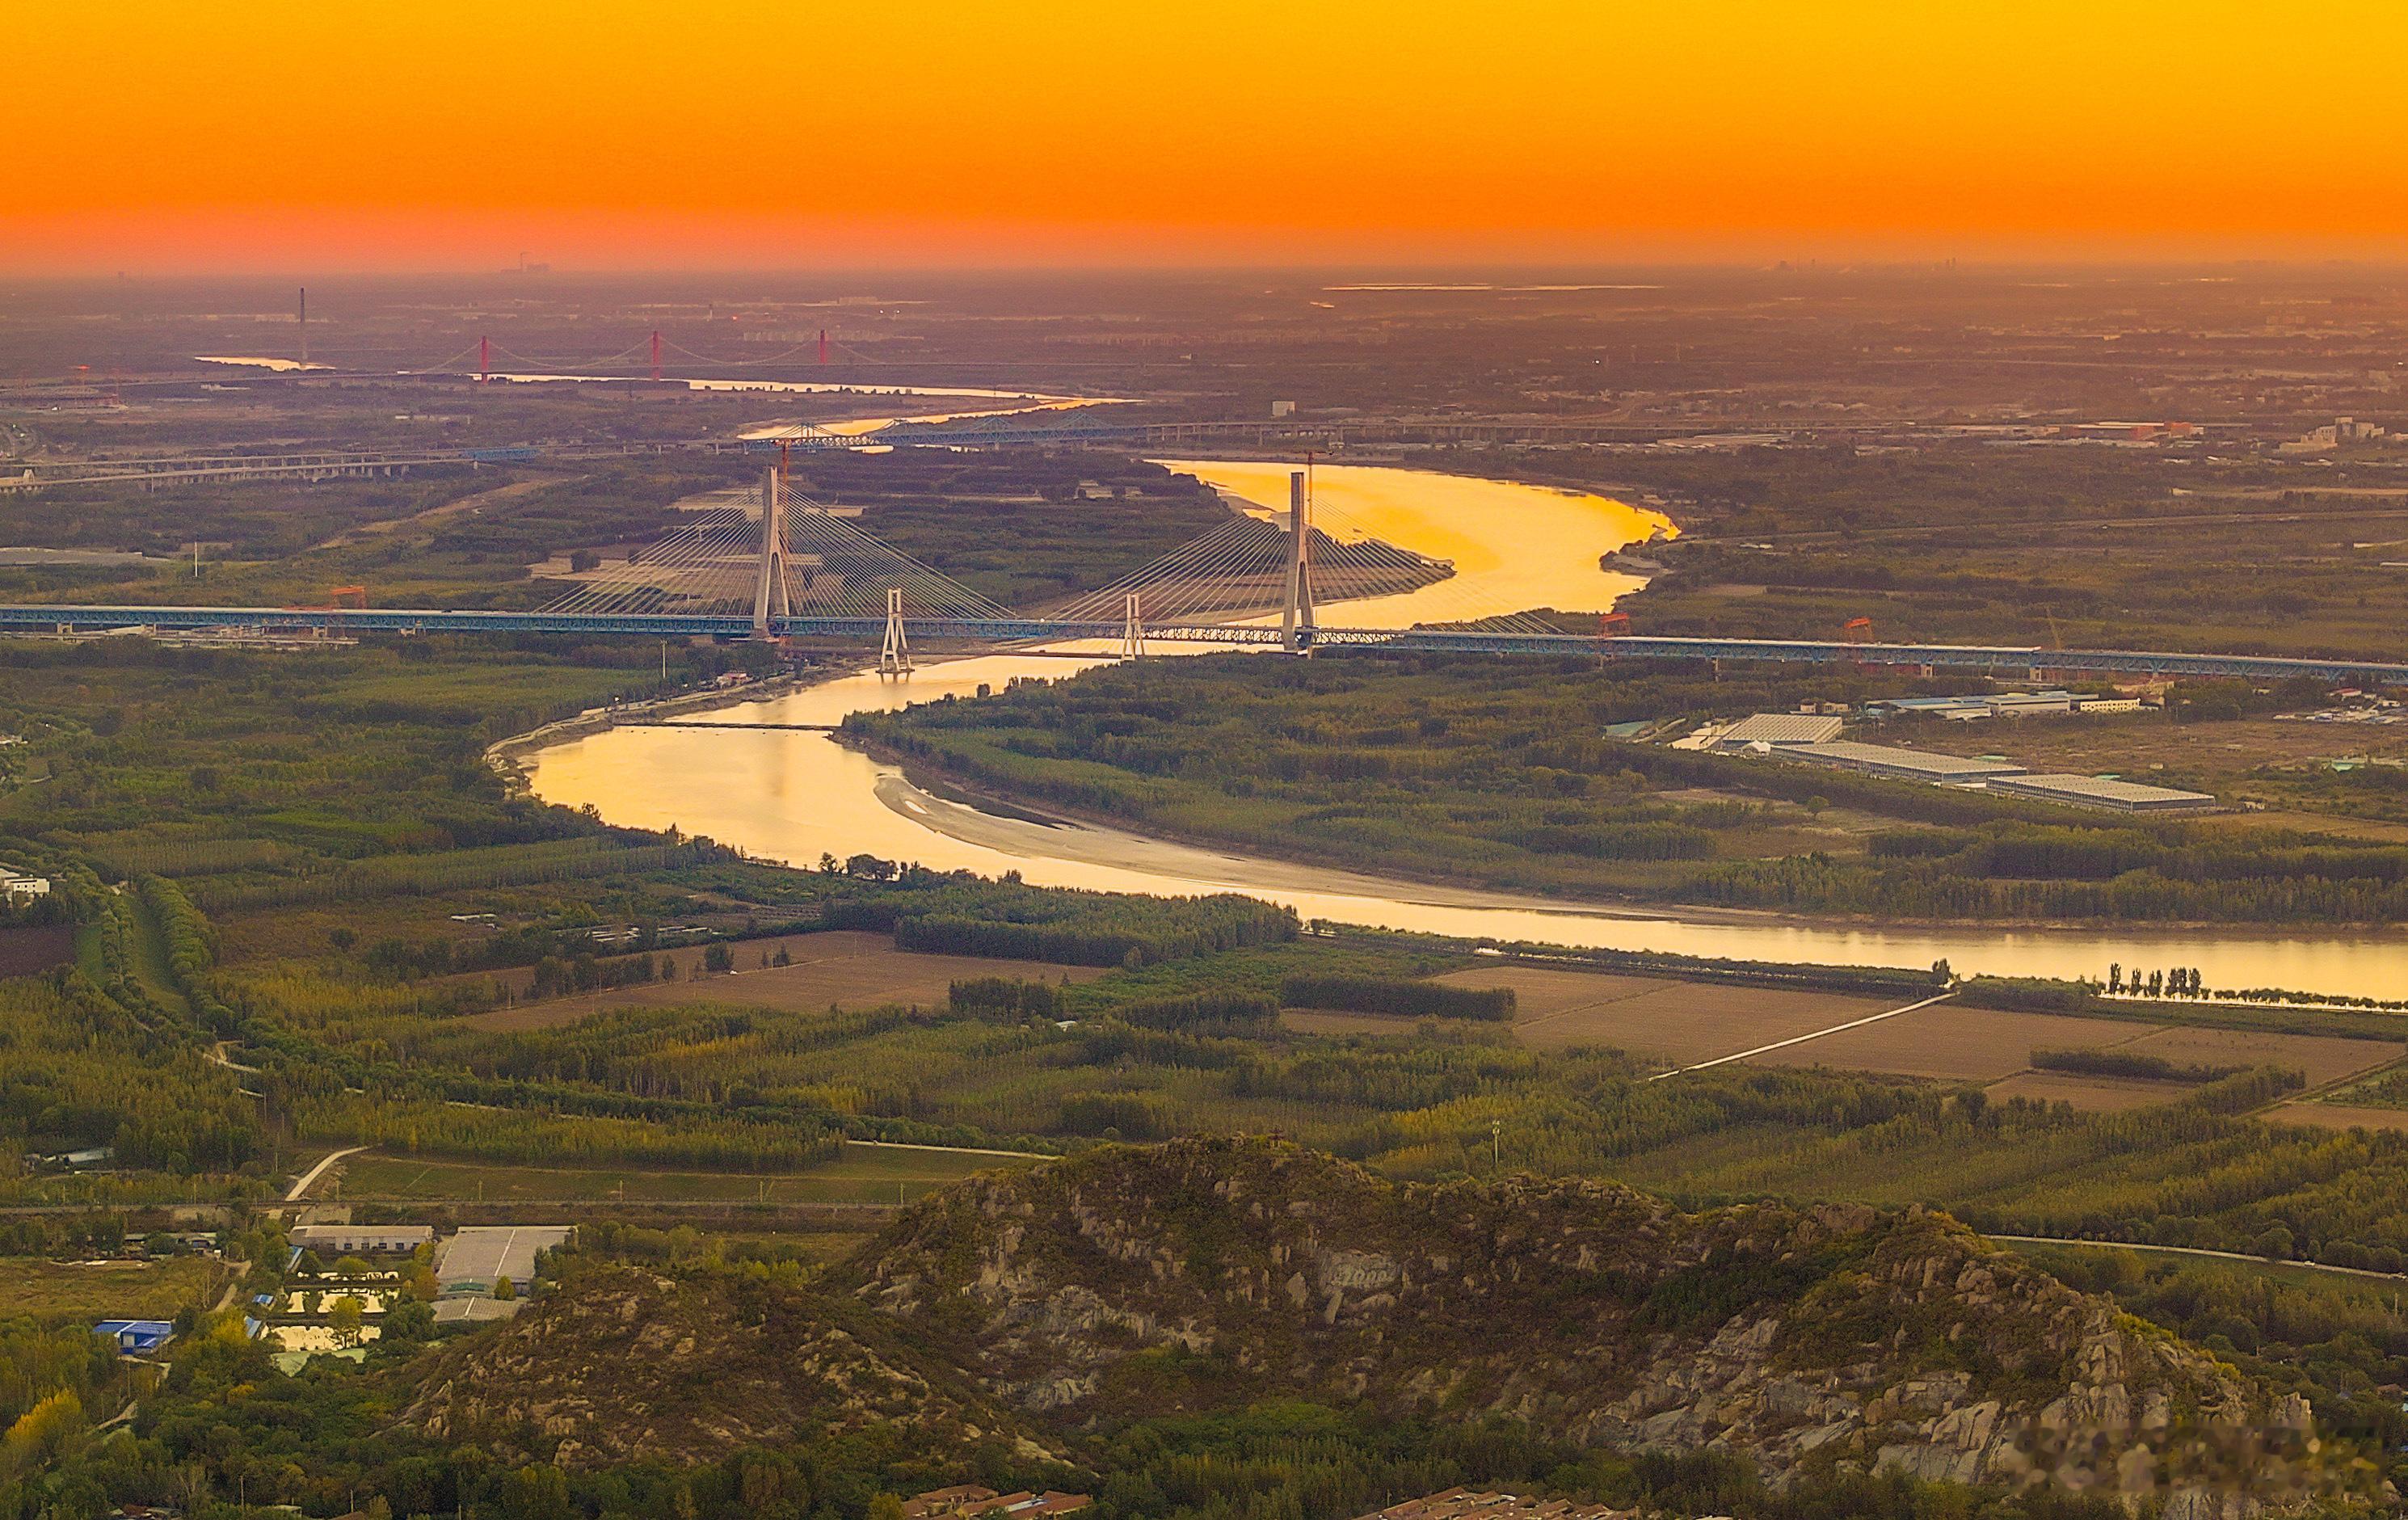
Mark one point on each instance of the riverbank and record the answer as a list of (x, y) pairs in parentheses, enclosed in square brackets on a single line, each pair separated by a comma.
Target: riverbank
[(508, 757), (1108, 841), (792, 795)]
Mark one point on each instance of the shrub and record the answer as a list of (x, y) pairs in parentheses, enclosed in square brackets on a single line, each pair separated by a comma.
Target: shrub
[(1397, 995)]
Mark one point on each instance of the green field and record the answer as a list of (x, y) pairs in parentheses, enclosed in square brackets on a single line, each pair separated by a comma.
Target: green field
[(864, 1175), (55, 1292)]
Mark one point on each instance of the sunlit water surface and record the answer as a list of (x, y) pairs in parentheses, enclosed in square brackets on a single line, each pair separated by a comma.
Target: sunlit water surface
[(794, 795)]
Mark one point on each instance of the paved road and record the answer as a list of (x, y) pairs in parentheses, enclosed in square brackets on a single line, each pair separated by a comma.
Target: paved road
[(2200, 1251)]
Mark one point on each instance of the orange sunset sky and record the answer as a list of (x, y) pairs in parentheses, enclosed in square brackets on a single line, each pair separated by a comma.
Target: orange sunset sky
[(161, 134)]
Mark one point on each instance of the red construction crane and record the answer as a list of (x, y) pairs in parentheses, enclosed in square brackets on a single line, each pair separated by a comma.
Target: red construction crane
[(340, 600), (1859, 632)]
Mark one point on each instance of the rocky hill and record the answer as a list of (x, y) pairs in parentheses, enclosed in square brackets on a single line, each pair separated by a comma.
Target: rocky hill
[(632, 1365), (1207, 1273), (1043, 1308)]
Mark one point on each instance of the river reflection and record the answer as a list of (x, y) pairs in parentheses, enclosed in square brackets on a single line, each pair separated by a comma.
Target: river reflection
[(792, 794)]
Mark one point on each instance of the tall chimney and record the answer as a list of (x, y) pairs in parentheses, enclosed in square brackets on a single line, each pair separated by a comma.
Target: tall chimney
[(305, 325)]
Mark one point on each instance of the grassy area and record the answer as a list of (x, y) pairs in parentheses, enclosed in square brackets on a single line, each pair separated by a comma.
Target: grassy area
[(59, 1293), (864, 1175), (2302, 586), (152, 967), (1447, 769)]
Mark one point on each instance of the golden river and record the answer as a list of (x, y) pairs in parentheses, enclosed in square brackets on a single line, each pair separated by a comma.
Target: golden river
[(792, 794)]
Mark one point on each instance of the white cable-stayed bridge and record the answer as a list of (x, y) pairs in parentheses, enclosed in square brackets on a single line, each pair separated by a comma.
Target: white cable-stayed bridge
[(763, 563)]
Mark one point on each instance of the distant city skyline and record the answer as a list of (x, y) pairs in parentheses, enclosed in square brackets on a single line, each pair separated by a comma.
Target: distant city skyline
[(165, 135)]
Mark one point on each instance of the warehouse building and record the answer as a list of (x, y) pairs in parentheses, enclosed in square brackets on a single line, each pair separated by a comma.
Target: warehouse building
[(360, 1240), (1779, 728), (136, 1337), (2102, 792), (479, 1255), (1902, 764), (2001, 704)]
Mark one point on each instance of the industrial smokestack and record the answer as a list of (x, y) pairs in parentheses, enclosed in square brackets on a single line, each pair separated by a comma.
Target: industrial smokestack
[(305, 325)]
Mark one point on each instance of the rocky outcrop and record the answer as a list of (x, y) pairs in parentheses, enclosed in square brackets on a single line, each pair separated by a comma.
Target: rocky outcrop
[(1036, 1311), (631, 1365), (1203, 1272)]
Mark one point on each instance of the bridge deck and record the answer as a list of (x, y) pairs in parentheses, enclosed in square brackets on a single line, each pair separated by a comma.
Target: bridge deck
[(1044, 630)]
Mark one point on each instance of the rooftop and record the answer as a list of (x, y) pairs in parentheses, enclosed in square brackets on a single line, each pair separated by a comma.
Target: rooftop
[(480, 1253), (1781, 729), (2106, 790), (1921, 762)]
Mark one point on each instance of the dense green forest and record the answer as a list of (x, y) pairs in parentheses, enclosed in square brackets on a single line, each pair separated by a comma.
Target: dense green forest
[(1501, 773)]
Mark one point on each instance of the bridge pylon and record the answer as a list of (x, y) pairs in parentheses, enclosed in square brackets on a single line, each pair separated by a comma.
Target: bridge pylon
[(1133, 632), (770, 596), (895, 654), (1297, 618)]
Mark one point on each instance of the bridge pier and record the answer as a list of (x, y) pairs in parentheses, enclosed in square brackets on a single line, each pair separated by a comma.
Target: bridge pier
[(894, 654), (1297, 619), (769, 600)]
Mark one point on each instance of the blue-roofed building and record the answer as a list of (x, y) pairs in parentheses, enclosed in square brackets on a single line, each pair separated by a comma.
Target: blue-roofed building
[(137, 1335)]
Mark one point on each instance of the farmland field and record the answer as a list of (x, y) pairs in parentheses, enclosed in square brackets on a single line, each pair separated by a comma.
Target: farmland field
[(2097, 1095), (1971, 1044), (1679, 1021), (865, 1174), (65, 1292), (2320, 1058), (31, 948), (841, 968)]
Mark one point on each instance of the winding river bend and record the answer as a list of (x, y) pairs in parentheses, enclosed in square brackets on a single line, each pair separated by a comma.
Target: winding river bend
[(791, 793)]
